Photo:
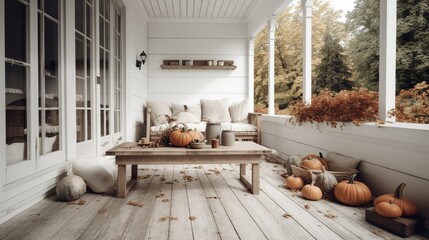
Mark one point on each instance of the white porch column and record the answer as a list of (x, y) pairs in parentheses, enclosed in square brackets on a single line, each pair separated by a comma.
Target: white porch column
[(307, 8), (251, 75), (271, 55), (387, 68)]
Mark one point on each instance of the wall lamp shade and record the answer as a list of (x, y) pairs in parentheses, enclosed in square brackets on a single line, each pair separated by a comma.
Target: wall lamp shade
[(143, 57)]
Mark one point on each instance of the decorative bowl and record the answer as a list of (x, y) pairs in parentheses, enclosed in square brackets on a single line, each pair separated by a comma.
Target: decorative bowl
[(196, 145)]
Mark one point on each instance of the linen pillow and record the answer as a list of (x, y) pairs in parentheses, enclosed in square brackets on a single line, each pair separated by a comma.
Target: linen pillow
[(99, 173), (186, 117), (215, 110), (159, 110), (193, 109), (239, 111)]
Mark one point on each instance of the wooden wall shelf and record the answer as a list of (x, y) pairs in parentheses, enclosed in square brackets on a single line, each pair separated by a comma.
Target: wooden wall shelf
[(198, 64), (199, 67)]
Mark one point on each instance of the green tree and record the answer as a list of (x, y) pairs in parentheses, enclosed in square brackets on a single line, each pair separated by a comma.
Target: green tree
[(332, 73)]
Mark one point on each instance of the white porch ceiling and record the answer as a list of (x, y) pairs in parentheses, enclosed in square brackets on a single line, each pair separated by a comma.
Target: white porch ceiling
[(212, 10)]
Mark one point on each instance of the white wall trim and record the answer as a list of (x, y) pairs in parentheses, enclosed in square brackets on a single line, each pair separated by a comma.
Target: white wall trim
[(196, 20), (251, 75), (271, 63), (307, 13)]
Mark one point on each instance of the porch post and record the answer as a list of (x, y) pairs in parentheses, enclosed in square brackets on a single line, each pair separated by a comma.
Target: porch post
[(271, 55), (251, 77), (387, 72), (307, 8)]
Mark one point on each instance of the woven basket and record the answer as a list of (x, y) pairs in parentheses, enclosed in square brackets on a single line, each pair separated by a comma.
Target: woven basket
[(339, 172)]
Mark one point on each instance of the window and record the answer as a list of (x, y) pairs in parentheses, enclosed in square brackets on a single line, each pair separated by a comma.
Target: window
[(105, 51), (17, 79), (84, 56), (117, 78), (49, 82)]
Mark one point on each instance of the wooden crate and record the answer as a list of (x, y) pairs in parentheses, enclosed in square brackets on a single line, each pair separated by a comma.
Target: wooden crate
[(403, 227)]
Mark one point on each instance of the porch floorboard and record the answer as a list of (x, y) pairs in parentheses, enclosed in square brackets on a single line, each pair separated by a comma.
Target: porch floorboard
[(195, 202)]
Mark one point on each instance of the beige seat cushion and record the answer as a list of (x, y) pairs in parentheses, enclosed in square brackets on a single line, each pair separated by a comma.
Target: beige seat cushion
[(215, 110), (236, 127)]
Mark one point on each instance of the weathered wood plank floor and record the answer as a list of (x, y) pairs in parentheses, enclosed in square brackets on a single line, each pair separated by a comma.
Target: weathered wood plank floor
[(195, 202)]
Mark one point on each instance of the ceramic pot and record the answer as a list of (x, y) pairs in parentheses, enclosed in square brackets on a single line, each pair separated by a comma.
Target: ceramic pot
[(213, 131), (228, 138)]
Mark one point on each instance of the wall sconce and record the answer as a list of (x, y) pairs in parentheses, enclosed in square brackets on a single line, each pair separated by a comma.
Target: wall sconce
[(141, 62)]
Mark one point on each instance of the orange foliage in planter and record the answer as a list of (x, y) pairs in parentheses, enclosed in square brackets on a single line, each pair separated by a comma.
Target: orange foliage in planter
[(413, 105)]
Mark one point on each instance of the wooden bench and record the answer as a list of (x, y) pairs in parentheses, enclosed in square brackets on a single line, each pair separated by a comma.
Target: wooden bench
[(253, 118), (243, 153)]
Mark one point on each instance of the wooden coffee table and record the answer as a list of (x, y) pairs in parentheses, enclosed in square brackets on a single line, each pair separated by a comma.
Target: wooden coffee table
[(242, 153)]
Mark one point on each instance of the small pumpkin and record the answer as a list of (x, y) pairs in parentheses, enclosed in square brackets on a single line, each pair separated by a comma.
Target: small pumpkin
[(388, 209), (314, 162), (196, 135), (326, 181), (294, 183), (70, 188), (407, 206), (293, 160), (353, 193), (311, 192), (180, 137)]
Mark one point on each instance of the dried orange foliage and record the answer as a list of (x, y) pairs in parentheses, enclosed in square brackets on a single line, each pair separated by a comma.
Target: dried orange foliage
[(346, 106), (413, 105)]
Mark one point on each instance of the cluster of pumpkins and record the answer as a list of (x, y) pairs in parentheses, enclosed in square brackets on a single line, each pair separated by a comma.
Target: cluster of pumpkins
[(182, 137), (350, 192)]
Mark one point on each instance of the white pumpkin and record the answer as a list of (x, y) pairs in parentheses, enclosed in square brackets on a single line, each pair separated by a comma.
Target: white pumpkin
[(70, 188)]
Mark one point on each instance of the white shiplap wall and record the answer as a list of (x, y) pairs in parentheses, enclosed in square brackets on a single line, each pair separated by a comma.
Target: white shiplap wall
[(136, 80), (197, 41), (391, 154), (22, 194)]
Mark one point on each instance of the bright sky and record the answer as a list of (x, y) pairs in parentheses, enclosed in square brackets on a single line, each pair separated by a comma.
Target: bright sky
[(345, 5)]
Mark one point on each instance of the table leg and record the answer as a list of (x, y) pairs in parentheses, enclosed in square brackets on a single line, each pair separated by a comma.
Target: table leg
[(134, 171), (242, 169), (122, 169), (255, 178)]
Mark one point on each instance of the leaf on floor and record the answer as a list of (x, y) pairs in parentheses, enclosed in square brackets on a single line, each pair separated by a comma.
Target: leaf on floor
[(307, 206), (102, 211), (156, 175), (182, 172), (192, 218), (169, 182), (162, 179), (160, 195), (144, 169), (330, 215), (286, 215), (217, 172), (165, 218), (208, 173), (135, 204), (154, 169), (165, 200), (319, 211), (143, 177), (78, 202), (188, 178), (198, 167), (213, 197)]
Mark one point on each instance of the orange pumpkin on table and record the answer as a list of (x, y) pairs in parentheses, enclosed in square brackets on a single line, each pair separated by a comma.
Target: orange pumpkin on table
[(181, 137), (407, 206), (352, 192)]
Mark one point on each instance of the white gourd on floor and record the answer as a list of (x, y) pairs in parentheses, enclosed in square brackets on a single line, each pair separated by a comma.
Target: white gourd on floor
[(71, 187)]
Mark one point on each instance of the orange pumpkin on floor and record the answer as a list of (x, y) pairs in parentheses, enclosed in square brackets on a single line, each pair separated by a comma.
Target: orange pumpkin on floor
[(314, 162), (353, 193), (294, 183), (181, 137), (311, 192), (407, 206), (388, 209)]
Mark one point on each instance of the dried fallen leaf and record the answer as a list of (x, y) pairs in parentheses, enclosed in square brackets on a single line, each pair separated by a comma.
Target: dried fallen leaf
[(307, 206), (213, 197), (165, 200), (143, 177), (198, 167), (78, 202), (162, 179), (162, 219), (192, 218), (275, 166), (169, 182), (286, 215), (330, 215), (160, 195), (156, 175), (135, 204), (102, 211)]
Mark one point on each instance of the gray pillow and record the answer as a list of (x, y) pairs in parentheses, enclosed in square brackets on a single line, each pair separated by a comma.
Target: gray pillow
[(159, 112), (239, 111)]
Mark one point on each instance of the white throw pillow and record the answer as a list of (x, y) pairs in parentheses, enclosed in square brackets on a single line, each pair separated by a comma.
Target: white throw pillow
[(215, 110), (193, 109), (186, 117), (99, 173), (159, 110), (239, 111)]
